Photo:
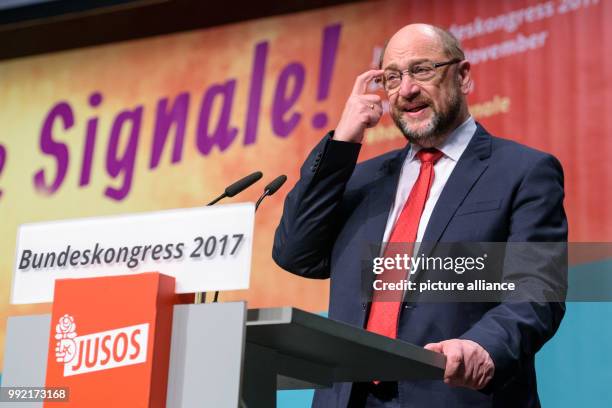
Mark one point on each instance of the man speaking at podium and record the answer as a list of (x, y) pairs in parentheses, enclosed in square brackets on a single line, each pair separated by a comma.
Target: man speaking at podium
[(453, 182)]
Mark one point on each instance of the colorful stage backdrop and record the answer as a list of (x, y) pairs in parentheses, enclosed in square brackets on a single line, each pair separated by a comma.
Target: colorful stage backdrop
[(169, 121)]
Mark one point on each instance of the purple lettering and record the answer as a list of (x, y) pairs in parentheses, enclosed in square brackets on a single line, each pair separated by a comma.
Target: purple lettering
[(223, 134), (283, 102), (90, 141), (2, 162), (63, 112), (164, 120), (255, 92), (331, 39), (115, 164)]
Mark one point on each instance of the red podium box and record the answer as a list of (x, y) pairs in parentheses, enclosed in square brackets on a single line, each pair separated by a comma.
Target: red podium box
[(110, 340)]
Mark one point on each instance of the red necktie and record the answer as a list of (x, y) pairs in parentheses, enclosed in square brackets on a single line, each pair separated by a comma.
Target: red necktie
[(384, 313)]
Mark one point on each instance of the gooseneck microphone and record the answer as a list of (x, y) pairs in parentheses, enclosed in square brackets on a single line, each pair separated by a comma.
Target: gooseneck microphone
[(238, 186), (230, 191), (271, 188), (268, 191)]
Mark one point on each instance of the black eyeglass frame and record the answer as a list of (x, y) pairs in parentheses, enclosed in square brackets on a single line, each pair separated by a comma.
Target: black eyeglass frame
[(436, 65)]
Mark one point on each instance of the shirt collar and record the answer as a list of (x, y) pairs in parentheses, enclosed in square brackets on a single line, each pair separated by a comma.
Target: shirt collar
[(455, 144)]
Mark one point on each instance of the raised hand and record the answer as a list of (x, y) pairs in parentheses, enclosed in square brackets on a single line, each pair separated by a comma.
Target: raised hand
[(362, 110)]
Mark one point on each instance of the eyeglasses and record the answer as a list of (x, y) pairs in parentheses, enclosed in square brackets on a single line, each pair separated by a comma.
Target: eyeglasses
[(419, 71)]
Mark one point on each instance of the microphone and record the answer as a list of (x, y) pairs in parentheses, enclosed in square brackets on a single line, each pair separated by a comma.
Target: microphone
[(238, 186), (268, 191), (271, 188), (230, 191)]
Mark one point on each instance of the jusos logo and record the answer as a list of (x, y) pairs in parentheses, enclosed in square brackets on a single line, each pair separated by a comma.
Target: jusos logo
[(99, 351)]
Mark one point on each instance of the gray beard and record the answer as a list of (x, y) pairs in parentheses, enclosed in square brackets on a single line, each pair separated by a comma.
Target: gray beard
[(436, 130)]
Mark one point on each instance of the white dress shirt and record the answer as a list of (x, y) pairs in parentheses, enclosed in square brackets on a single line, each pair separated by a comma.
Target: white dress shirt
[(453, 147)]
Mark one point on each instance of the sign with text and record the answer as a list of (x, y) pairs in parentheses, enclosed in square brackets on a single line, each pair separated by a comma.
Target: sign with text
[(205, 249), (109, 343)]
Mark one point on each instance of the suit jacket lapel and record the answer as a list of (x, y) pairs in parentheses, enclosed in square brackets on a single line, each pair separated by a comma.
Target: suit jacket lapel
[(468, 170), (382, 195)]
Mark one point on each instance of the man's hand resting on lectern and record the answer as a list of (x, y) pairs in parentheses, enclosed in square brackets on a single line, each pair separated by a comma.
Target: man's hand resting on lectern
[(467, 363)]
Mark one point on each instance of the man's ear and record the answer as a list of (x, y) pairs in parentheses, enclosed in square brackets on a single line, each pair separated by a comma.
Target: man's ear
[(465, 77)]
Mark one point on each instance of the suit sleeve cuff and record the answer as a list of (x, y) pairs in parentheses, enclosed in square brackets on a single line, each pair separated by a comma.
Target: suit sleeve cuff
[(501, 359), (331, 156)]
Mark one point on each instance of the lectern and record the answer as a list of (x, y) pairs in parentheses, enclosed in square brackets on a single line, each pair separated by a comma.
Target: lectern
[(225, 356), (119, 337), (304, 350)]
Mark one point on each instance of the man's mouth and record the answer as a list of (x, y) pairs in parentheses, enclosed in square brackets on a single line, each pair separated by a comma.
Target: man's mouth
[(416, 108)]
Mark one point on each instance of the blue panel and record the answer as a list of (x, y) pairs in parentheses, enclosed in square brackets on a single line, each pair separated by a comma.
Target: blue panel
[(574, 367), (294, 399)]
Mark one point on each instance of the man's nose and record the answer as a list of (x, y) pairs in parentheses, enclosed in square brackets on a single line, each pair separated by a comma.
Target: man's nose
[(408, 87)]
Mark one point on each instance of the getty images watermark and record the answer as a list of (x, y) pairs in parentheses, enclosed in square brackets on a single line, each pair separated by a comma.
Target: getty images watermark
[(466, 272), (408, 265)]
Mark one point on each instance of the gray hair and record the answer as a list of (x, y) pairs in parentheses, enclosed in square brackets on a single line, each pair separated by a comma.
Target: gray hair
[(450, 44)]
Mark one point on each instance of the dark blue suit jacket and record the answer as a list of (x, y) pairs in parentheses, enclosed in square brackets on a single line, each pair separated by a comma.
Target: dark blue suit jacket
[(499, 191)]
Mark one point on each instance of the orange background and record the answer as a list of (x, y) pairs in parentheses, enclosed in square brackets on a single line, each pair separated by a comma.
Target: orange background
[(555, 98)]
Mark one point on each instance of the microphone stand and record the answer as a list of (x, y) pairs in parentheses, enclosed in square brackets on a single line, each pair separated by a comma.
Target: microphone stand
[(230, 191), (268, 190)]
